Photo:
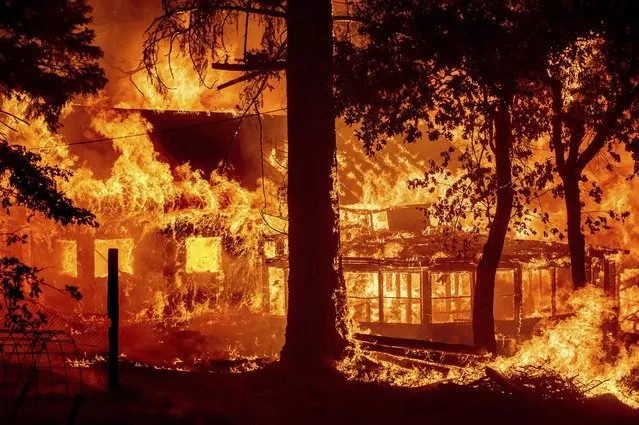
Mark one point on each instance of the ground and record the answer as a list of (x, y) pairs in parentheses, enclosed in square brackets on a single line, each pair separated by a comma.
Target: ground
[(279, 395)]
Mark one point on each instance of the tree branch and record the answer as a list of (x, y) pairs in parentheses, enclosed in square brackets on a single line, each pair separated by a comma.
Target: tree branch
[(277, 65), (610, 120)]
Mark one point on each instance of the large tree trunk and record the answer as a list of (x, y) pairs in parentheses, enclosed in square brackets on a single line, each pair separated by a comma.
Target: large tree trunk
[(315, 285), (483, 320), (576, 239)]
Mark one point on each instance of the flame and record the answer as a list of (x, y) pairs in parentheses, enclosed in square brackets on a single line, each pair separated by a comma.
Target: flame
[(143, 196), (277, 291), (185, 89), (583, 347)]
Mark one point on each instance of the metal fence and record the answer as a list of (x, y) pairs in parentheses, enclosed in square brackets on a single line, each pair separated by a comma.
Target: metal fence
[(40, 376)]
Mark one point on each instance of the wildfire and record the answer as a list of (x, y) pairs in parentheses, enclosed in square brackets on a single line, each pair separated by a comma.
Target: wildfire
[(181, 234), (583, 347)]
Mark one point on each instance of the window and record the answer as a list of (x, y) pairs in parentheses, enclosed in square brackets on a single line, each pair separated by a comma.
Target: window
[(451, 296), (277, 291), (379, 220), (504, 306), (270, 249), (362, 289), (125, 256), (564, 290), (68, 257), (402, 298), (537, 292), (203, 255)]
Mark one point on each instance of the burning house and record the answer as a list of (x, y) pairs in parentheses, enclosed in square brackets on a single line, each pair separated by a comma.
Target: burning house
[(410, 283), (192, 246)]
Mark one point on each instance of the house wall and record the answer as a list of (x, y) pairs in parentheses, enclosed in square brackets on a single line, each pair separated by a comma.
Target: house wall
[(383, 299)]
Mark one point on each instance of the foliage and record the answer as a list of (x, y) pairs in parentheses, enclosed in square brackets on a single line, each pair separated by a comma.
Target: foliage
[(32, 184), (28, 183), (46, 55), (589, 100), (435, 68), (46, 59), (440, 69), (201, 29)]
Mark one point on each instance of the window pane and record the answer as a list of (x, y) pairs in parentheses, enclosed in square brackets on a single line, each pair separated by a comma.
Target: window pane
[(440, 284), (395, 310), (362, 284), (277, 291), (504, 305), (391, 284), (203, 255), (68, 257), (403, 285), (440, 311), (364, 309), (451, 293), (415, 285), (416, 311), (536, 293)]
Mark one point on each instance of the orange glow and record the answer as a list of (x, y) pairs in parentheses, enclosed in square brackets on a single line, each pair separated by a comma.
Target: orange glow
[(362, 289), (451, 296), (125, 256), (203, 255), (277, 291), (68, 257), (270, 249), (575, 348)]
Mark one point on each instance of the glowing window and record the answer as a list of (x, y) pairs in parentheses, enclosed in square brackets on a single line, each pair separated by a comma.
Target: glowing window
[(402, 298), (277, 291), (504, 306), (379, 220), (537, 292), (270, 249), (362, 289), (203, 255), (101, 255), (451, 297), (68, 257)]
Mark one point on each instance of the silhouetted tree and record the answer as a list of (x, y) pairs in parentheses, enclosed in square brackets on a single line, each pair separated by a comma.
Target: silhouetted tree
[(46, 58), (297, 38), (592, 103), (437, 67)]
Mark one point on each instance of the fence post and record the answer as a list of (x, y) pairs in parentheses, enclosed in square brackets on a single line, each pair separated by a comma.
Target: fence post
[(113, 312)]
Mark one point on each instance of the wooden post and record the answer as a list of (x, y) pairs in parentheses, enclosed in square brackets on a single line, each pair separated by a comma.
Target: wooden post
[(380, 295), (113, 312), (518, 300), (427, 302)]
